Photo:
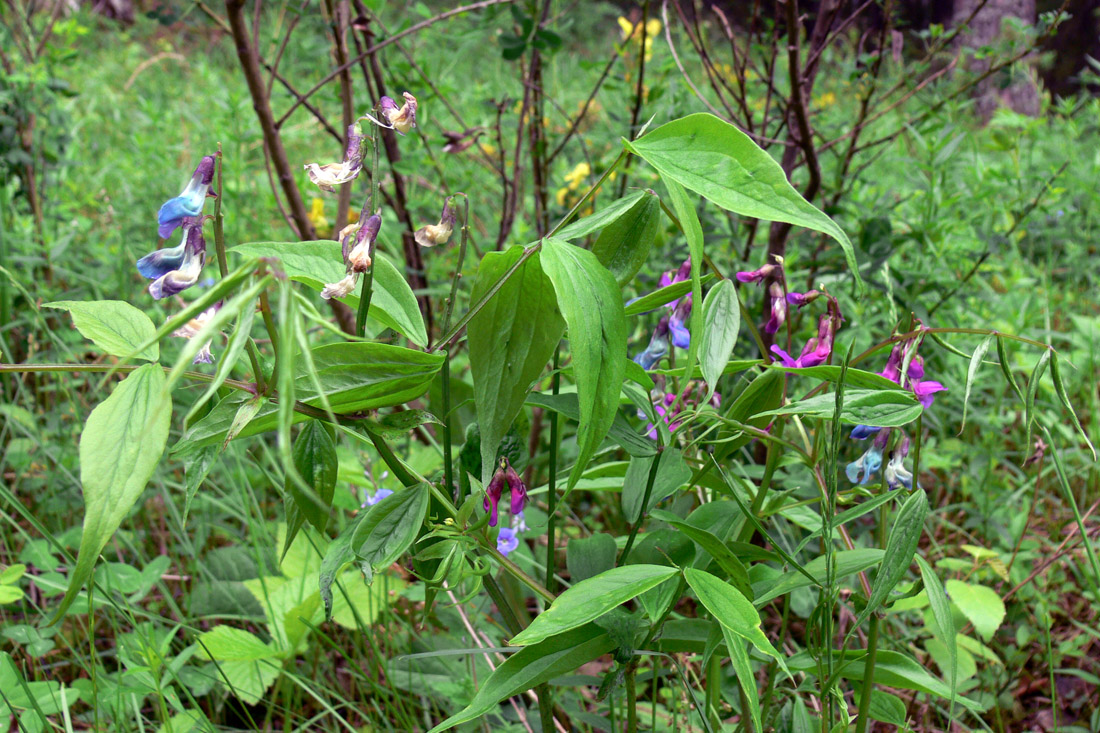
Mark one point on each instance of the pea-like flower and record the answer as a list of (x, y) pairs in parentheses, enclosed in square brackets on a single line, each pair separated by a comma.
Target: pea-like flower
[(401, 118), (756, 276), (357, 257), (677, 323), (517, 489), (923, 389), (378, 496), (507, 540), (433, 234), (190, 201), (330, 175), (192, 328), (658, 346), (816, 351), (895, 473), (778, 310), (175, 269), (861, 471), (800, 299)]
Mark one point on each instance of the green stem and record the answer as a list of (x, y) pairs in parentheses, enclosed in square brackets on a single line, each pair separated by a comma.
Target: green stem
[(713, 689), (448, 469), (645, 505), (631, 699), (364, 300), (868, 676), (552, 479)]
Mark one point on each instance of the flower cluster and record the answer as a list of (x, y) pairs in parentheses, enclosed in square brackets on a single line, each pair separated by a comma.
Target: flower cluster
[(776, 297), (505, 475), (357, 242), (671, 327), (174, 269), (818, 349)]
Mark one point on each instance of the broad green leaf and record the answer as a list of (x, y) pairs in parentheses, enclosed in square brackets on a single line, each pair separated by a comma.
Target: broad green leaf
[(120, 447), (337, 555), (831, 373), (355, 376), (763, 393), (602, 218), (944, 624), (532, 666), (884, 408), (846, 562), (981, 606), (972, 371), (624, 244), (901, 545), (735, 612), (390, 526), (588, 557), (589, 599), (715, 159), (672, 473), (663, 296), (250, 665), (892, 669), (358, 603), (316, 263), (510, 341), (721, 322), (113, 325), (742, 667), (715, 548), (568, 405), (315, 460), (591, 302)]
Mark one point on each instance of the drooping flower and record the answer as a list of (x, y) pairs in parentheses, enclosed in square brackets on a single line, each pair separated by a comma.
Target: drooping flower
[(895, 473), (863, 432), (778, 309), (175, 269), (401, 118), (493, 493), (518, 491), (816, 351), (357, 256), (507, 540), (658, 346), (800, 299), (755, 276), (923, 389), (330, 175), (677, 323), (192, 328), (861, 471), (671, 278), (190, 201), (433, 234), (378, 496)]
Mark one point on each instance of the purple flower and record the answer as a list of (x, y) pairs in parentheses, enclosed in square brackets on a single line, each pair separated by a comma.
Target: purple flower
[(800, 299), (330, 175), (778, 309), (357, 256), (493, 493), (378, 496), (755, 276), (176, 269), (189, 203), (519, 491), (433, 234), (507, 540), (677, 323), (862, 432), (924, 390), (816, 351), (401, 119), (658, 346)]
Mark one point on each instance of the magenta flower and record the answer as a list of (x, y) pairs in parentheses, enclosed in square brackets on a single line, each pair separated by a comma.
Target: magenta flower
[(816, 351), (779, 309), (492, 495), (519, 491), (755, 276), (800, 299)]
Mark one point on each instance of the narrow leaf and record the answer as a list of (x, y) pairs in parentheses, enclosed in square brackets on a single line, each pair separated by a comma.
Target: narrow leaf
[(972, 371)]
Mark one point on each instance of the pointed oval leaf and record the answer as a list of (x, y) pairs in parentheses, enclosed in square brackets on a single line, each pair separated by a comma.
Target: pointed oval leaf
[(113, 325), (721, 322), (624, 244), (390, 526), (592, 598)]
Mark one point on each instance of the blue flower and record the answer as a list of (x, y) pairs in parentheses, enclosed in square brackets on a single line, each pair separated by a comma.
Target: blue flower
[(677, 323), (897, 475), (507, 540), (863, 432), (379, 495), (174, 270), (657, 349), (189, 202), (861, 471)]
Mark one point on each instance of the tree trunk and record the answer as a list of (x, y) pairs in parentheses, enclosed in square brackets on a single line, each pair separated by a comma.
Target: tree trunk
[(1021, 94)]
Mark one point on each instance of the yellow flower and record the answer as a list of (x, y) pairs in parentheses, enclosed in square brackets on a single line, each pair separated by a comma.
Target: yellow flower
[(317, 217), (560, 196), (578, 174), (633, 32), (828, 99)]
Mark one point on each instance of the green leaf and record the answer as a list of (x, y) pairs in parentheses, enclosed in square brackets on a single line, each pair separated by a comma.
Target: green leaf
[(763, 393), (721, 322), (684, 208), (316, 263), (883, 408), (588, 557), (663, 296), (113, 325), (1006, 369), (716, 548), (589, 599), (624, 244), (972, 371), (944, 622), (315, 460), (1033, 389), (742, 667), (397, 425), (672, 473), (732, 610), (338, 554), (567, 404), (1060, 388), (606, 215), (390, 526), (510, 341), (120, 447), (355, 376), (532, 666), (831, 373), (591, 302), (846, 562), (715, 159), (981, 606), (901, 545), (249, 665)]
